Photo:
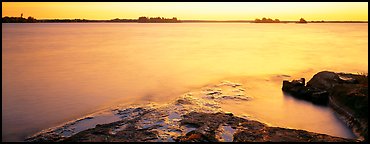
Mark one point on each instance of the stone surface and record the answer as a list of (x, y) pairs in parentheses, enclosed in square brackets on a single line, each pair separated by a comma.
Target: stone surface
[(193, 117), (346, 93)]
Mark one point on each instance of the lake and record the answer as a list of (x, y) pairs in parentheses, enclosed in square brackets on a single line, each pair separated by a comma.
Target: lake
[(56, 72)]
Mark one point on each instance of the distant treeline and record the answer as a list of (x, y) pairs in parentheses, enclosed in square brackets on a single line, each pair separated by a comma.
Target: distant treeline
[(140, 20), (18, 20), (158, 20), (85, 20), (267, 20), (33, 20)]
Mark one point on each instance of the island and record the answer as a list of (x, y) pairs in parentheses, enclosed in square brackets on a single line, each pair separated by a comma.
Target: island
[(157, 20), (302, 20), (267, 20)]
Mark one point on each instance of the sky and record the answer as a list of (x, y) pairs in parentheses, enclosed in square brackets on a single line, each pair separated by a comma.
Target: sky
[(190, 10)]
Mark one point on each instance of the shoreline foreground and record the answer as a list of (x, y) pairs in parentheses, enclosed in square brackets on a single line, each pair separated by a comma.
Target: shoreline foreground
[(194, 117)]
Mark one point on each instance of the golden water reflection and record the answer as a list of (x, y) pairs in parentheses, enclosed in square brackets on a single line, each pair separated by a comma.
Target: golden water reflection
[(56, 72)]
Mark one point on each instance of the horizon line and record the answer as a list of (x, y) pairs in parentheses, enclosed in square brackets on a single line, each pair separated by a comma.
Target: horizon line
[(178, 19)]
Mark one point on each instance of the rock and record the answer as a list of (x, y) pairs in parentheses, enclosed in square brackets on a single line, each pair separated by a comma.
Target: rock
[(229, 113), (351, 102), (346, 93), (320, 97), (348, 79), (86, 118), (324, 80), (205, 127), (250, 131), (50, 137), (293, 83), (348, 96), (214, 93), (183, 101), (297, 89), (182, 122), (194, 136)]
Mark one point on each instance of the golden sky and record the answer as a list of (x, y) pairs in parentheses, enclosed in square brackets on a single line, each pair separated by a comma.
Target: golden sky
[(190, 10)]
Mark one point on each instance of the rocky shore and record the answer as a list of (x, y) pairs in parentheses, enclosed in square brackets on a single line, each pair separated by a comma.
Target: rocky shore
[(194, 117), (346, 94)]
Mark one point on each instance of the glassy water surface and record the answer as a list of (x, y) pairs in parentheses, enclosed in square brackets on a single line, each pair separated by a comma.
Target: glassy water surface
[(56, 72)]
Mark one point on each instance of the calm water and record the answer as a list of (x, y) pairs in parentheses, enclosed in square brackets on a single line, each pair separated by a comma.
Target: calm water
[(57, 72)]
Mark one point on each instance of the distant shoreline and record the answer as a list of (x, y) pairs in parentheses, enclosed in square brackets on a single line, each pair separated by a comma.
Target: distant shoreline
[(160, 20), (185, 21)]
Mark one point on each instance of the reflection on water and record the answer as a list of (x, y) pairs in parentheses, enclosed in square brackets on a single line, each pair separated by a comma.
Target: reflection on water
[(56, 72)]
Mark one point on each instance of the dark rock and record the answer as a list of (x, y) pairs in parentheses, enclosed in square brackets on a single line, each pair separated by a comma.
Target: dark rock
[(320, 97), (348, 79), (324, 80), (229, 113), (214, 93), (351, 102), (249, 136), (297, 89), (249, 130), (86, 118), (183, 101), (51, 137), (346, 93), (197, 125), (206, 127), (194, 136), (348, 96)]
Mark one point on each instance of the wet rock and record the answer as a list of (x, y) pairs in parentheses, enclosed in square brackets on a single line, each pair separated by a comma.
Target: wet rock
[(324, 80), (348, 96), (285, 75), (200, 121), (194, 136), (297, 89), (86, 118), (348, 79), (50, 137), (351, 102), (206, 127), (228, 83), (346, 93), (249, 136), (320, 97), (229, 113), (276, 134), (247, 130), (183, 102), (214, 93), (225, 133)]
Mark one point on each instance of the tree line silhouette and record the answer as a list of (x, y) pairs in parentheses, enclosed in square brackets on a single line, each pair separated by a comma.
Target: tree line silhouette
[(18, 20), (139, 20), (157, 20), (267, 20), (144, 19)]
